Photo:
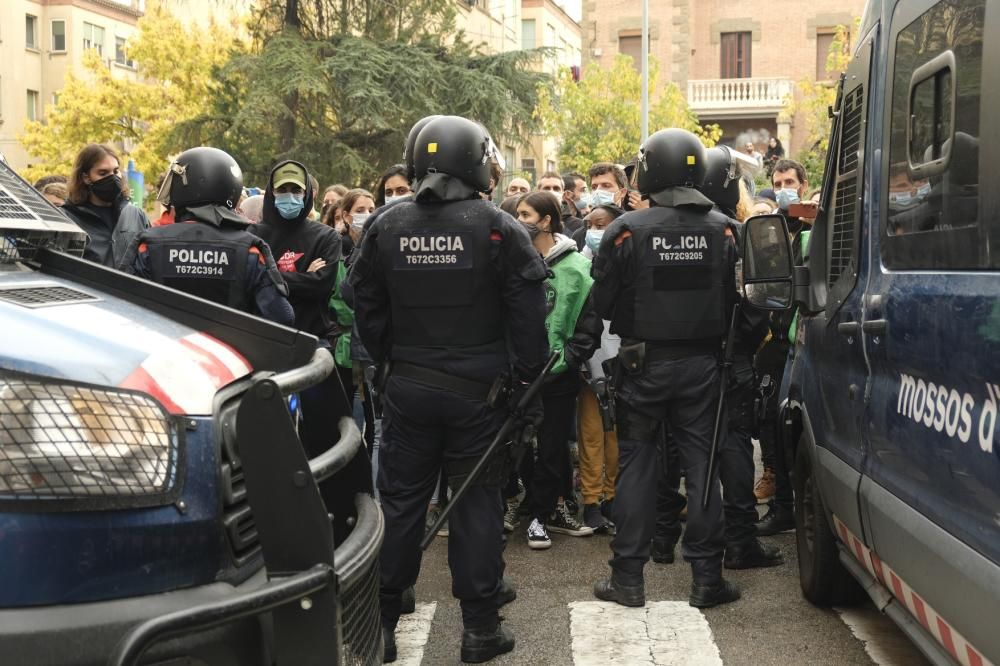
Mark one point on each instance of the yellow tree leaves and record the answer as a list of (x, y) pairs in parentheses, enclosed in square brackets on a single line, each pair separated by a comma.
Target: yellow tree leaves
[(175, 64), (597, 119)]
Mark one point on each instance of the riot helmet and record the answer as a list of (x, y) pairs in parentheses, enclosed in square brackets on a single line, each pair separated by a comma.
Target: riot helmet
[(200, 177), (456, 147), (724, 169), (411, 140), (670, 158)]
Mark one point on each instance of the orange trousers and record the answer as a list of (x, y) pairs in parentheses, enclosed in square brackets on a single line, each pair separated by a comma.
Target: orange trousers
[(598, 450)]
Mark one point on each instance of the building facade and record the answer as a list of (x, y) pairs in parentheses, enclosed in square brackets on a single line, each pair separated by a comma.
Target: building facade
[(41, 41), (736, 60)]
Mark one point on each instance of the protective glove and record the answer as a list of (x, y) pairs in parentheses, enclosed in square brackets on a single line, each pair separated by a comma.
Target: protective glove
[(532, 413)]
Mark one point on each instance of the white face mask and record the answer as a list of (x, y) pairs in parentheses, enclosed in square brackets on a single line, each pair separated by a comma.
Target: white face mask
[(358, 221), (394, 199)]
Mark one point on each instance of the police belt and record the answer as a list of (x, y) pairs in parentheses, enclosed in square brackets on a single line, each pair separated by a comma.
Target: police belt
[(438, 379), (677, 349)]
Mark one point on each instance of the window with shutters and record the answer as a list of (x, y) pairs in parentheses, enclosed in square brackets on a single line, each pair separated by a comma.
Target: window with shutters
[(735, 55), (631, 45)]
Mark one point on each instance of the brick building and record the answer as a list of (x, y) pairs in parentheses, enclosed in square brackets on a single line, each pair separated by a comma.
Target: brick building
[(737, 60)]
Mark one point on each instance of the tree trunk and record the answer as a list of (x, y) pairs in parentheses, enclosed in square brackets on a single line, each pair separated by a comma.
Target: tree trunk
[(286, 125)]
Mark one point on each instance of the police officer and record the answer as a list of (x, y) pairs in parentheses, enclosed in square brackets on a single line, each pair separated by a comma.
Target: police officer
[(724, 171), (665, 278), (208, 252), (448, 292)]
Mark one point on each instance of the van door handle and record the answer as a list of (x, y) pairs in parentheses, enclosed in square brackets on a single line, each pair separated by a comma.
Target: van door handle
[(875, 326), (847, 328)]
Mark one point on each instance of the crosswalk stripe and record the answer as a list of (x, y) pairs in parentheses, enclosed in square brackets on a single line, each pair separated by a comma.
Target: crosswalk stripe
[(663, 633), (412, 633), (883, 641)]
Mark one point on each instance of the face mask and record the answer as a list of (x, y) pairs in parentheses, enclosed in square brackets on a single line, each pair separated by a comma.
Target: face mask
[(289, 205), (358, 221), (601, 198), (582, 202), (108, 188), (594, 239), (901, 199), (786, 197), (923, 191), (394, 199), (533, 230)]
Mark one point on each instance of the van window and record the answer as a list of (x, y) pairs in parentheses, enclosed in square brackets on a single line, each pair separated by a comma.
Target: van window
[(933, 186)]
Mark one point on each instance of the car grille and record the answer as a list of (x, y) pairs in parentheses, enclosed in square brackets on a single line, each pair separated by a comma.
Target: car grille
[(359, 613), (43, 295), (237, 519)]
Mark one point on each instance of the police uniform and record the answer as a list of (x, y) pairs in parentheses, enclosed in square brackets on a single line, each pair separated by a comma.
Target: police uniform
[(208, 252), (665, 277), (448, 291)]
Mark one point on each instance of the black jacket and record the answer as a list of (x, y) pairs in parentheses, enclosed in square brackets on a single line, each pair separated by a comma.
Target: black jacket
[(295, 244), (107, 244)]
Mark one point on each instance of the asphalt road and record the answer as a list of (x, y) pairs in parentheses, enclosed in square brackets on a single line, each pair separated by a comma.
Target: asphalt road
[(771, 624)]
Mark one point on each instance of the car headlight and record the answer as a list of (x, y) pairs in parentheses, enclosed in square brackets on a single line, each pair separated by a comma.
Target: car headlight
[(66, 441)]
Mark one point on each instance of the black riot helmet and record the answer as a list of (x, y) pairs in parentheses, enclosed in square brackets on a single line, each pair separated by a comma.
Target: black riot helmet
[(411, 140), (721, 183), (456, 147), (200, 177), (670, 158)]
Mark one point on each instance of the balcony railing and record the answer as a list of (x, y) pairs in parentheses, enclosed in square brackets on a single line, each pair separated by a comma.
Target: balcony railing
[(738, 94)]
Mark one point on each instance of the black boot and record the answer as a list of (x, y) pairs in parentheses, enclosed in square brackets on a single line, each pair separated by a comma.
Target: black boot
[(506, 593), (662, 551), (708, 587), (607, 506), (775, 521), (626, 595), (752, 555), (479, 645), (389, 645), (408, 603), (713, 594)]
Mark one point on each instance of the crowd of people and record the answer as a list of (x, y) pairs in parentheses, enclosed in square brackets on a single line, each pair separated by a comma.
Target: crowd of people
[(309, 258)]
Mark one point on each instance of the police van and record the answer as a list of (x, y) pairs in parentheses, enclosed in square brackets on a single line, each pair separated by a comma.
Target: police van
[(156, 503), (892, 408)]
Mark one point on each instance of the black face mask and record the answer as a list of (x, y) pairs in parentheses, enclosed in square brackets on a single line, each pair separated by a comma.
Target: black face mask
[(107, 189)]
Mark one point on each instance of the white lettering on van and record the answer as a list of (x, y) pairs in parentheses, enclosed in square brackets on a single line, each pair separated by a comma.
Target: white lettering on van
[(944, 409)]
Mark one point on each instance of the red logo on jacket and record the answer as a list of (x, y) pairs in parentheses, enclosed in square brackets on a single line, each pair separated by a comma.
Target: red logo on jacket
[(286, 264)]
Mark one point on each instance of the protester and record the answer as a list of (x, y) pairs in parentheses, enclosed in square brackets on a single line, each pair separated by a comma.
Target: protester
[(55, 193), (98, 203), (392, 186), (575, 330), (517, 187), (775, 152)]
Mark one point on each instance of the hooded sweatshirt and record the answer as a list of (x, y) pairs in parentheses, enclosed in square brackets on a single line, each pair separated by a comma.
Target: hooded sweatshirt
[(573, 326), (295, 244)]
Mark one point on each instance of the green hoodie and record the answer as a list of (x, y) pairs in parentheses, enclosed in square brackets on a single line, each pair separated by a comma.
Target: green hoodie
[(345, 321), (565, 294), (804, 240)]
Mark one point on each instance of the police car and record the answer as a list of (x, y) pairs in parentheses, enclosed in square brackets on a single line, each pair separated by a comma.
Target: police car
[(156, 505), (892, 408)]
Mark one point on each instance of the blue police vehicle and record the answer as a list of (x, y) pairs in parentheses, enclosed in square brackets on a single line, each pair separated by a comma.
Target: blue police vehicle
[(156, 503), (892, 408)]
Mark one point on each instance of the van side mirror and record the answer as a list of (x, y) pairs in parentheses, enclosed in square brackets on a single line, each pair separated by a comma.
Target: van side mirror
[(767, 263)]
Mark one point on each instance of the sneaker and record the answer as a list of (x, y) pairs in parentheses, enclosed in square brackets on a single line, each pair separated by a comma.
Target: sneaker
[(572, 505), (510, 519), (443, 530), (764, 490), (432, 516), (563, 521), (592, 518), (538, 538)]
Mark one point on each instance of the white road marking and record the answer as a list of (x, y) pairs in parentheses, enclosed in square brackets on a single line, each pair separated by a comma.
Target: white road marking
[(663, 633), (412, 633), (884, 642)]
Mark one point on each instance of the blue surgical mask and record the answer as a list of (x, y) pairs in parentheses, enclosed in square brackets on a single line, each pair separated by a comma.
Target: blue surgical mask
[(394, 199), (923, 191), (601, 198), (582, 202), (787, 196), (594, 237), (289, 205)]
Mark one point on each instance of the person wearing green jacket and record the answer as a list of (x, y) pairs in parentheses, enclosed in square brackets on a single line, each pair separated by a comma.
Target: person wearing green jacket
[(574, 331)]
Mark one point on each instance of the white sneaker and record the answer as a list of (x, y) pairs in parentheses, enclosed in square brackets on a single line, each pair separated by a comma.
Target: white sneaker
[(538, 538)]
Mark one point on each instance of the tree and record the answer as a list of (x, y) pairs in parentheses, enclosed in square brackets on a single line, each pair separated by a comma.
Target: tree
[(337, 84), (175, 67), (597, 119), (814, 100)]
